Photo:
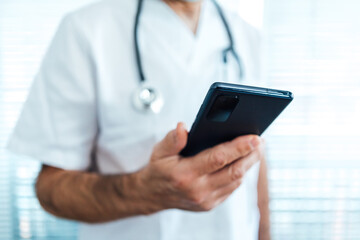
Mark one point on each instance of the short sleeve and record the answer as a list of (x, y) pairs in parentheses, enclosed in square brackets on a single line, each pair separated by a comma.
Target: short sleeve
[(58, 122)]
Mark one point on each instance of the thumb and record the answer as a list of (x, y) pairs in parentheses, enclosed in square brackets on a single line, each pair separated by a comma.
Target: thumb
[(172, 144)]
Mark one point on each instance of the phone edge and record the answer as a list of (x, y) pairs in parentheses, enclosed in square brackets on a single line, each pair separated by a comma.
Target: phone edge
[(252, 90)]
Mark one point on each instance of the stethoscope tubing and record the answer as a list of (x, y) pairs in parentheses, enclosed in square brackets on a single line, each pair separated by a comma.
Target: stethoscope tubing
[(136, 41), (230, 49)]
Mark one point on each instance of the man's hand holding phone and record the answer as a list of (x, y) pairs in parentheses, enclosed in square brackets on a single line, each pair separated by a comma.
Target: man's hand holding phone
[(200, 182), (197, 183)]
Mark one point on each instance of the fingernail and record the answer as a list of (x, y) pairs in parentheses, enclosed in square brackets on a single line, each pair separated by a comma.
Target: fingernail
[(183, 126), (255, 141)]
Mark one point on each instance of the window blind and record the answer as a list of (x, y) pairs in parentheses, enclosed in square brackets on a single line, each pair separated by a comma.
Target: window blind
[(26, 29), (313, 49)]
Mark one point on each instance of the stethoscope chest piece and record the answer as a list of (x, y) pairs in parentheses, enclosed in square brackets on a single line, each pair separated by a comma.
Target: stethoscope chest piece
[(147, 99)]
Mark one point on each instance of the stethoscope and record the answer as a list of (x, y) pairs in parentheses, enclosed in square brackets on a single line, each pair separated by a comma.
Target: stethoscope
[(146, 98)]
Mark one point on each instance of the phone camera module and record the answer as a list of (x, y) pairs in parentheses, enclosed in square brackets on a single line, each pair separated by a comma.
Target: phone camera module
[(222, 108)]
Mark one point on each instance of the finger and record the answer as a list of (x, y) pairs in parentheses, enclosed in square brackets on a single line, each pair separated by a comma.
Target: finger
[(218, 157), (234, 171), (172, 144), (227, 190), (217, 197)]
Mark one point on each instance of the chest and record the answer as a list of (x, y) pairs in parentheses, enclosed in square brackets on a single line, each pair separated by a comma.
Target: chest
[(178, 65)]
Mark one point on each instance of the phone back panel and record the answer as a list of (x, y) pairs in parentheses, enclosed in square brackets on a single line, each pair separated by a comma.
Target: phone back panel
[(254, 110)]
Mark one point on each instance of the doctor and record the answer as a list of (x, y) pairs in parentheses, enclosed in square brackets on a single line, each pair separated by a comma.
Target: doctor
[(118, 77)]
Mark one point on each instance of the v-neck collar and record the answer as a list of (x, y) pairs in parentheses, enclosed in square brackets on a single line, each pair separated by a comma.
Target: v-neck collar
[(181, 22), (187, 47)]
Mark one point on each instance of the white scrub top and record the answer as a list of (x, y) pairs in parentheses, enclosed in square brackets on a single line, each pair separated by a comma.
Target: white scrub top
[(80, 109)]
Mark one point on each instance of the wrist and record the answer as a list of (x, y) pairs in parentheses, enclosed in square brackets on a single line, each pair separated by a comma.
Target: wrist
[(264, 231), (148, 191), (134, 190)]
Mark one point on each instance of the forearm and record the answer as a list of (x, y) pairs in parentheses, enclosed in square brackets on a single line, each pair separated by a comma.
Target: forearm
[(90, 197), (167, 181), (263, 202)]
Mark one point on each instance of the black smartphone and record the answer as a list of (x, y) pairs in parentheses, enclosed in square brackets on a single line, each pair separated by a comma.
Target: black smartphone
[(232, 110)]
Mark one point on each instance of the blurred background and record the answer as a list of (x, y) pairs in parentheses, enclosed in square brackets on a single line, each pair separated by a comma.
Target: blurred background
[(312, 47)]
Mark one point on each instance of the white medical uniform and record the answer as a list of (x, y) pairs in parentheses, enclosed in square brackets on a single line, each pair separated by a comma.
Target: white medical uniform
[(80, 106)]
